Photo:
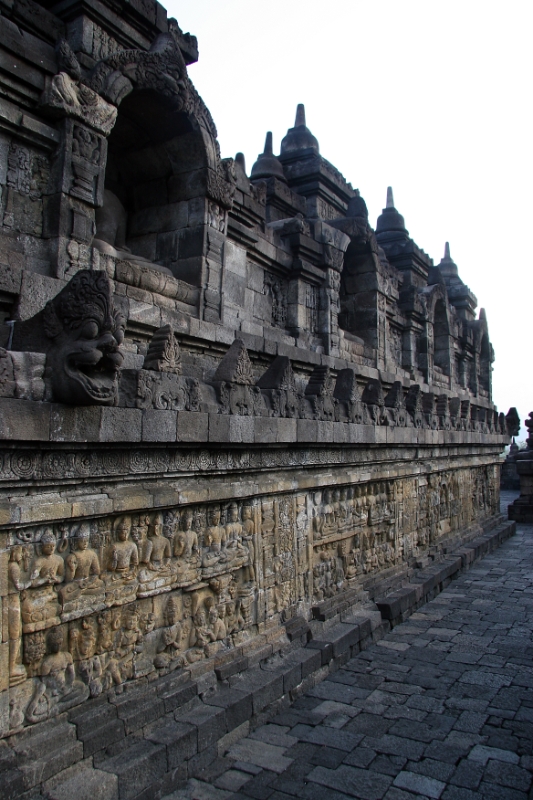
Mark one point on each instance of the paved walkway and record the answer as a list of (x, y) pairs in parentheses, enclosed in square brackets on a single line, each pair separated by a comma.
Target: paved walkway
[(442, 707)]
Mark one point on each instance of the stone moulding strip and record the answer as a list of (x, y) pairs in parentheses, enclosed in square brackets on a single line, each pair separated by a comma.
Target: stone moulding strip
[(28, 464), (21, 512), (25, 420), (154, 736)]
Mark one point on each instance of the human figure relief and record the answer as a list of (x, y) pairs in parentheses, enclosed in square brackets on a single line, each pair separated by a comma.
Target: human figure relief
[(159, 546), (83, 586), (216, 624), (330, 586), (108, 624), (157, 571), (200, 636), (353, 559), (318, 517), (57, 690), (360, 514), (139, 534), (121, 579), (433, 497), (330, 526), (83, 645), (39, 602), (169, 647), (143, 659), (129, 642), (16, 585), (301, 517), (372, 504), (343, 511), (83, 641), (186, 550), (214, 539), (248, 531), (124, 555), (48, 568), (230, 618), (337, 508), (235, 551)]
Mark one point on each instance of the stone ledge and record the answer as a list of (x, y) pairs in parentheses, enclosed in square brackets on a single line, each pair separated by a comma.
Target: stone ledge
[(26, 420), (399, 605)]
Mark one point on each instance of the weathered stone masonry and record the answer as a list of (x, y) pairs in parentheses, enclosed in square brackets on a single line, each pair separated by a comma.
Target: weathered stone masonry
[(226, 402)]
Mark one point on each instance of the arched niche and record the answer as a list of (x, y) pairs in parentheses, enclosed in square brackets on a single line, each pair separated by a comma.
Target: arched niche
[(359, 283), (485, 361), (164, 168), (157, 167), (441, 337)]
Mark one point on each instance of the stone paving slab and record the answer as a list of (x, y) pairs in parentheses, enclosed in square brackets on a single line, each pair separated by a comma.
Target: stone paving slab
[(441, 708)]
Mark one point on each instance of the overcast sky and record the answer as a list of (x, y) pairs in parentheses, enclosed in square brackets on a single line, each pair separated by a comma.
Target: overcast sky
[(432, 98)]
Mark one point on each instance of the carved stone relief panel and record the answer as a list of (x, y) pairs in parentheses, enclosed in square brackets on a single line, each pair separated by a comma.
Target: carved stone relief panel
[(27, 178), (94, 603), (276, 288)]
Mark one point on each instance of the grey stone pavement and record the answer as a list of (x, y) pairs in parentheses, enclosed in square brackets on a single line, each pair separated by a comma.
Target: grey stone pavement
[(442, 707)]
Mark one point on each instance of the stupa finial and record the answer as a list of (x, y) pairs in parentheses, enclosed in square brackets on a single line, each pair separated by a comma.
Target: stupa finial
[(300, 115), (390, 221), (447, 250), (267, 165)]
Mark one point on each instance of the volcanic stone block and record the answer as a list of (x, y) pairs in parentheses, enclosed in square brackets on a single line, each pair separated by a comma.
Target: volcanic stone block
[(23, 420), (174, 696), (137, 767), (97, 726), (84, 784), (139, 709), (159, 426), (265, 687), (231, 667), (120, 425), (180, 739), (208, 720), (236, 703), (192, 427)]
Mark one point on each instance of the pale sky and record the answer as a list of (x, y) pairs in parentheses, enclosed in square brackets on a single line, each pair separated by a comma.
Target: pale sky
[(432, 98)]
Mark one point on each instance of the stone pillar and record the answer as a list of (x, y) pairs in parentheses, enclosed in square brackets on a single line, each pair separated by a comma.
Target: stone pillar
[(76, 186), (522, 508)]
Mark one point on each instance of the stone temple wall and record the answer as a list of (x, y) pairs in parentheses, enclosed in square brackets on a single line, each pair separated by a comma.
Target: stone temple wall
[(226, 402)]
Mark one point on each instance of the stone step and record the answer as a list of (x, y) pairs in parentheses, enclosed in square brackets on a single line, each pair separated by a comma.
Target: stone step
[(298, 629), (175, 692), (336, 641), (45, 749), (143, 766), (335, 605), (82, 782), (209, 723), (396, 606)]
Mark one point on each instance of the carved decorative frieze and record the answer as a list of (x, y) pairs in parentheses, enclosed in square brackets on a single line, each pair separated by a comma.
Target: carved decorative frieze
[(95, 603)]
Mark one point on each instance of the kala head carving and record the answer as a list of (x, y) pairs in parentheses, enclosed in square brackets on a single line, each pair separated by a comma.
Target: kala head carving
[(81, 332)]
